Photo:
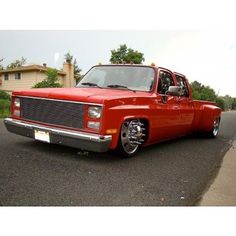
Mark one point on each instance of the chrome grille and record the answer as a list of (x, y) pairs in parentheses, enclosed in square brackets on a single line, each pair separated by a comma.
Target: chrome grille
[(53, 112)]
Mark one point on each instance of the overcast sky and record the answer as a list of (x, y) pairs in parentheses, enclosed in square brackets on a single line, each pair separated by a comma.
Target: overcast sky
[(206, 56)]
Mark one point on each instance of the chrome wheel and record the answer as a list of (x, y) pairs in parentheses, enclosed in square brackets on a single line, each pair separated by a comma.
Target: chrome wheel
[(131, 136), (216, 126)]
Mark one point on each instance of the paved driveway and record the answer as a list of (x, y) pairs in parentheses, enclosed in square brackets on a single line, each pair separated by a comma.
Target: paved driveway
[(170, 173)]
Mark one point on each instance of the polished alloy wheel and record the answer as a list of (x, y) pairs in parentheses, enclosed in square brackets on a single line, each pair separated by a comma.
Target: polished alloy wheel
[(132, 133), (216, 126)]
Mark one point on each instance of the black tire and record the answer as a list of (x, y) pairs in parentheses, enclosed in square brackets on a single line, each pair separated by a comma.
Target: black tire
[(121, 152), (215, 128)]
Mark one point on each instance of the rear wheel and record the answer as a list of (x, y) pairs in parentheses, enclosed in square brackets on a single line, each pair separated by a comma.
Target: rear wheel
[(132, 135), (215, 129)]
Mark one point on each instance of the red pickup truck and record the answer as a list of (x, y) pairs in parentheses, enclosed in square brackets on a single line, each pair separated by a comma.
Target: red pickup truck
[(114, 107)]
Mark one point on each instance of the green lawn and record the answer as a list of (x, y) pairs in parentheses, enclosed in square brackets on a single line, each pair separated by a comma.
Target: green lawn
[(5, 107)]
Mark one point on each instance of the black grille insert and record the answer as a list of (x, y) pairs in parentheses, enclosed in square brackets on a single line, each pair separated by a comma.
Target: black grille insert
[(53, 112)]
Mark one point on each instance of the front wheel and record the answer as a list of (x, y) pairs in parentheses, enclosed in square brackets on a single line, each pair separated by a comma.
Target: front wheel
[(132, 135)]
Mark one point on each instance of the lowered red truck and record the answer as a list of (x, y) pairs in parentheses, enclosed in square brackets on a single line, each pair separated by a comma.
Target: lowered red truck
[(114, 107)]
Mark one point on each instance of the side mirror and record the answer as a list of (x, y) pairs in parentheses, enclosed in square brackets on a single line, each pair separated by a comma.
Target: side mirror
[(174, 91)]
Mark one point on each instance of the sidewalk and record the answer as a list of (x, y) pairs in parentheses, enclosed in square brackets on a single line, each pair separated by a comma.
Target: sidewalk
[(223, 190)]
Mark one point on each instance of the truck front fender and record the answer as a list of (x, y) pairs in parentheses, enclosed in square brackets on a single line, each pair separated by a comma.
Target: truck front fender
[(115, 117)]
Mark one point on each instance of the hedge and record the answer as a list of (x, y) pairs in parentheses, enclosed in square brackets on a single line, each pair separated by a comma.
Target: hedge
[(5, 107)]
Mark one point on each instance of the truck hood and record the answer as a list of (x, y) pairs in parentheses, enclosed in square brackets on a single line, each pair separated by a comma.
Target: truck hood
[(90, 95)]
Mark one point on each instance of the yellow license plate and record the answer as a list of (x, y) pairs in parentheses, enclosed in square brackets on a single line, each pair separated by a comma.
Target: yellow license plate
[(42, 135)]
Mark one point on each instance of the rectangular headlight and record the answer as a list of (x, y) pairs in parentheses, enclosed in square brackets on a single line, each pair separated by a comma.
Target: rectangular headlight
[(94, 111), (16, 112), (94, 125)]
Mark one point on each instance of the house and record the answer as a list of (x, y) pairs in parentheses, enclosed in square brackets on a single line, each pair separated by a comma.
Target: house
[(26, 77)]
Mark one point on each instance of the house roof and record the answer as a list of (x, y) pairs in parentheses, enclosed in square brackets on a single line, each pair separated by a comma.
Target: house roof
[(30, 68)]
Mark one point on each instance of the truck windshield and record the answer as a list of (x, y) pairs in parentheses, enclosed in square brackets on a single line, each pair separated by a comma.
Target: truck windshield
[(139, 78)]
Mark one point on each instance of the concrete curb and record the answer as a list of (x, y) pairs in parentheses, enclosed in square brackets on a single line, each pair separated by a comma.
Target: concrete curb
[(222, 192)]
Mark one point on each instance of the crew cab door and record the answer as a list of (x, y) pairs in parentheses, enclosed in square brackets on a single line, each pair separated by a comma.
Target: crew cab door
[(185, 105), (166, 114)]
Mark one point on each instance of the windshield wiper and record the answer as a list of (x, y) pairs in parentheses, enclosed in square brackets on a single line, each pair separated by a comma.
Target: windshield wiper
[(120, 86), (91, 84)]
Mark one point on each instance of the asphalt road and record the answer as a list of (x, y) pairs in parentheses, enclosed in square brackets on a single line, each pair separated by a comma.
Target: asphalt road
[(173, 173)]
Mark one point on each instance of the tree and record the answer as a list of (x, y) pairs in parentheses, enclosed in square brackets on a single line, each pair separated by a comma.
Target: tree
[(126, 55), (17, 63), (202, 92), (1, 66), (234, 104), (220, 103), (228, 102), (196, 90), (68, 58), (4, 95), (51, 80), (77, 71)]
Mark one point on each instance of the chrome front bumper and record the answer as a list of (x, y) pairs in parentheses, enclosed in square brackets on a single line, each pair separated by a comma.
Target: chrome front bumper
[(76, 139)]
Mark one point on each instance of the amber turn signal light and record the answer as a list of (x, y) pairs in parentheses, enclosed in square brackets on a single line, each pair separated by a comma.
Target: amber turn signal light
[(111, 131)]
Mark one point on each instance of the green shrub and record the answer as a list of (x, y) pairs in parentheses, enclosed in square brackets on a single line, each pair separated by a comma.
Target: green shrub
[(220, 103), (5, 108), (4, 95), (51, 81)]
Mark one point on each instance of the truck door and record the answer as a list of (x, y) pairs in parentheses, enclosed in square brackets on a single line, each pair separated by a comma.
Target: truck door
[(166, 114), (186, 106)]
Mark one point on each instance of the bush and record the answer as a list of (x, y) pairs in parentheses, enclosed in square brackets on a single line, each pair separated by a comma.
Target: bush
[(4, 95), (46, 84), (5, 108), (220, 103), (51, 81)]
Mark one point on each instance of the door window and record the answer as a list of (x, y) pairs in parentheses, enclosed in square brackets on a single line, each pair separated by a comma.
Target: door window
[(165, 81), (181, 81)]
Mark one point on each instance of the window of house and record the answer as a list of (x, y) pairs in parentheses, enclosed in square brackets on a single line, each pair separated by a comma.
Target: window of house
[(6, 76), (183, 84), (165, 81), (17, 76)]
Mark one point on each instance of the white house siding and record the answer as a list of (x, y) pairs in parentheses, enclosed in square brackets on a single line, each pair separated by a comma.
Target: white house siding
[(27, 81)]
